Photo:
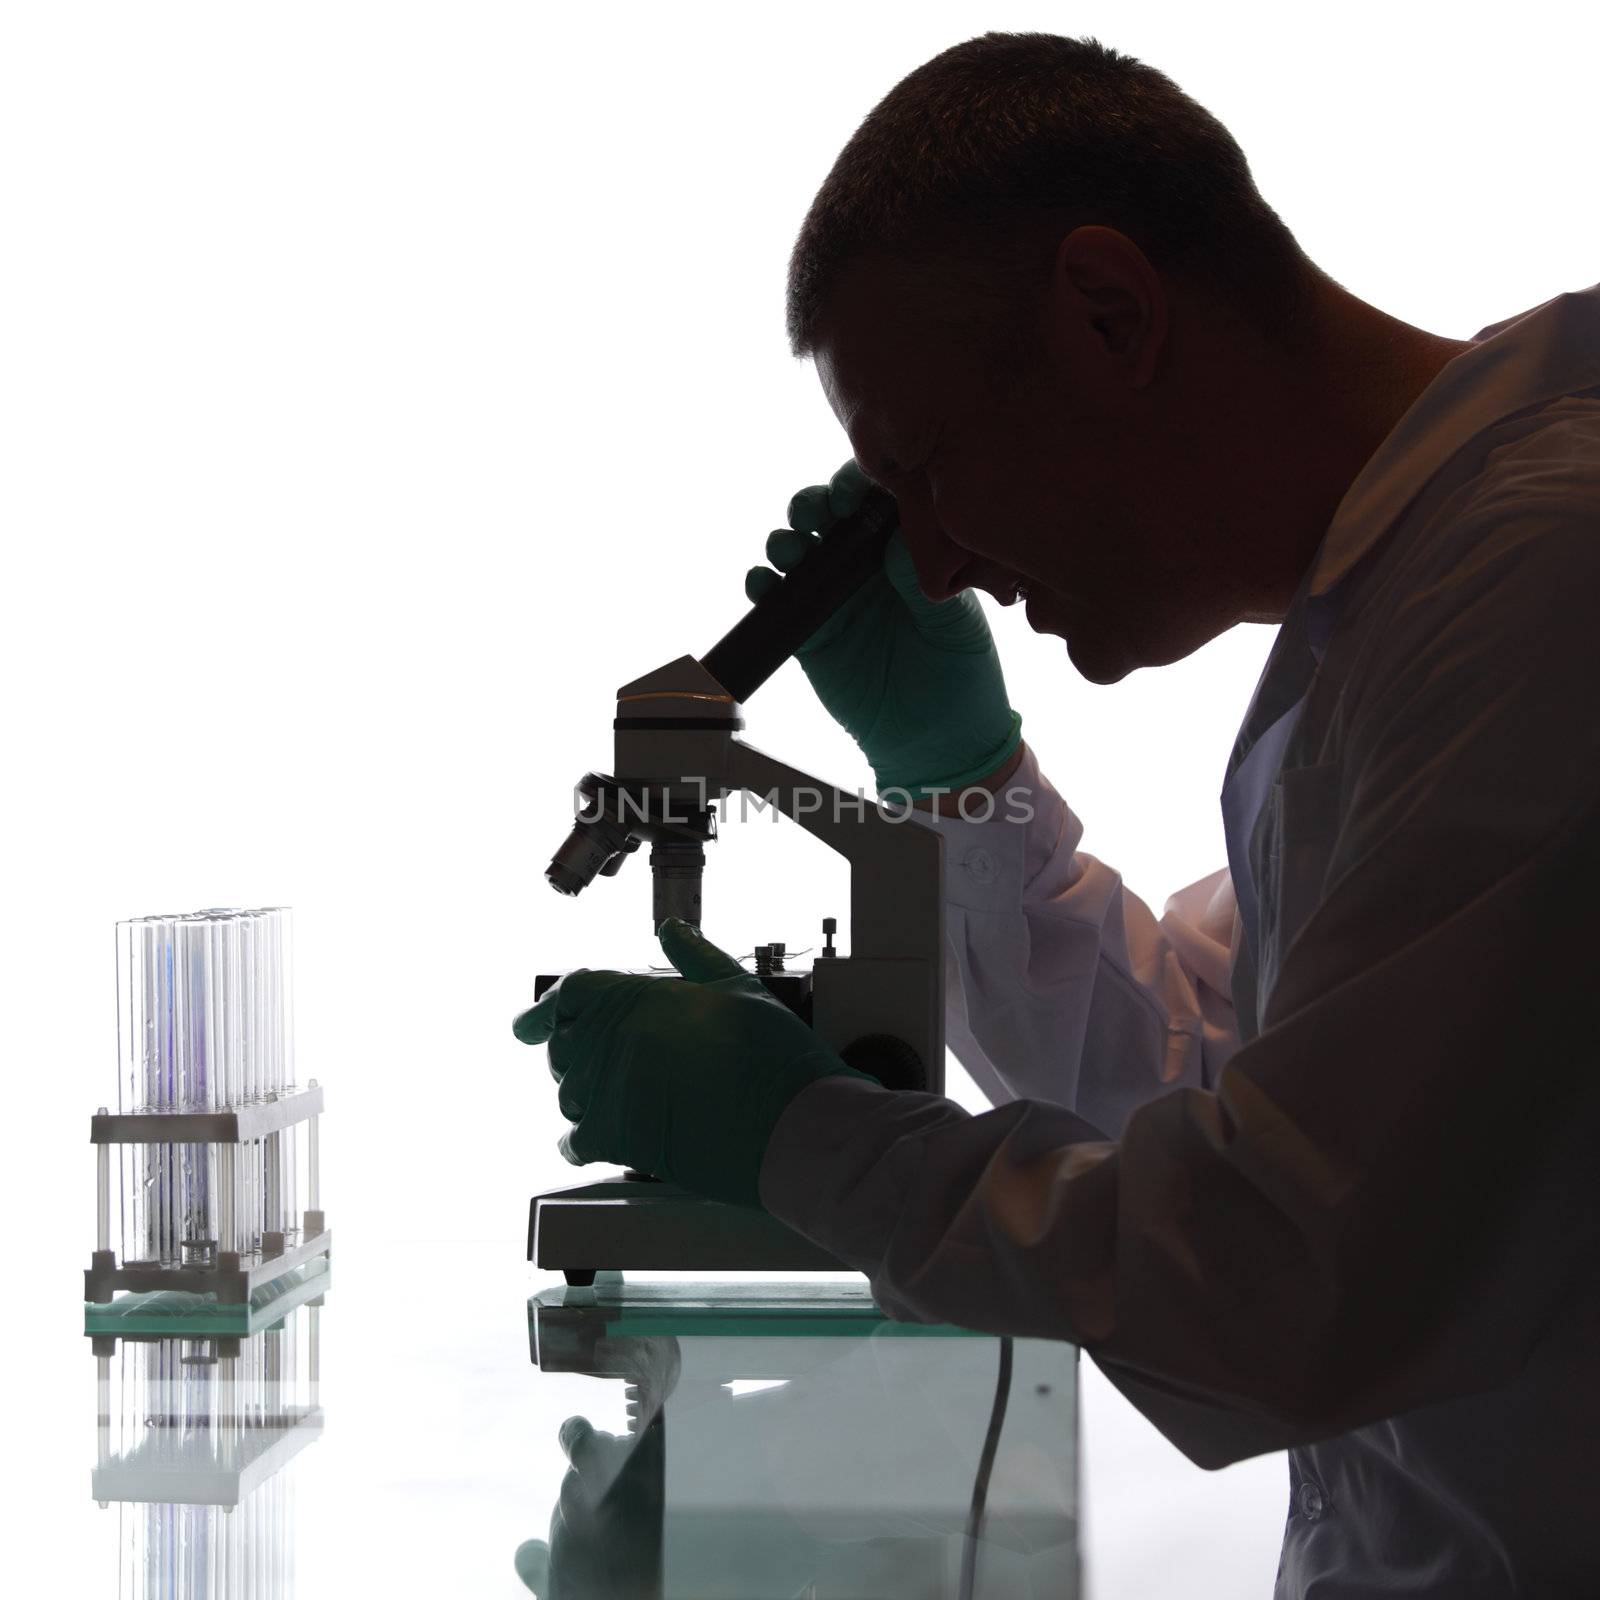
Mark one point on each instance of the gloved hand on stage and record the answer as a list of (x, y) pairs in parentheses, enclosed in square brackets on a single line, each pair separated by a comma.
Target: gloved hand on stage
[(915, 682), (681, 1077)]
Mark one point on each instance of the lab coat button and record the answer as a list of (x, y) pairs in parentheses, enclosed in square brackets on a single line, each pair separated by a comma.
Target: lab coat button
[(1312, 1504), (980, 866)]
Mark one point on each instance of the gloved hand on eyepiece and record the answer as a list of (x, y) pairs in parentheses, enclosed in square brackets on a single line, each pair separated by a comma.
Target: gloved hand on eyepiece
[(915, 682), (684, 1078)]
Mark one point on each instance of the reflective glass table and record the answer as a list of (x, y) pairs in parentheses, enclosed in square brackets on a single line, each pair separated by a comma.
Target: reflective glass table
[(787, 1439), (369, 1428)]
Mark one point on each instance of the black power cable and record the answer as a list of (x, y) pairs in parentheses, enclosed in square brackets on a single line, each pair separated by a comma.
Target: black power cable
[(980, 1485)]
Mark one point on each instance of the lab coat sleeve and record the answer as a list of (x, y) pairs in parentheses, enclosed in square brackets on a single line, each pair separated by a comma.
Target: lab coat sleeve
[(1063, 985), (1393, 1187)]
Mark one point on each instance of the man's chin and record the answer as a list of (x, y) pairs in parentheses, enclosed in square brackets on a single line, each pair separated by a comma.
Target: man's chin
[(1097, 656), (1098, 660)]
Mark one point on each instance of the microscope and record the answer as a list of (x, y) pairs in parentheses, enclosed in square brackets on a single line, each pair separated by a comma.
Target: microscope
[(881, 1005)]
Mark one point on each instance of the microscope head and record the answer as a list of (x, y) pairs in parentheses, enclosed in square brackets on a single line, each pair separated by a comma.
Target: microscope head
[(672, 728)]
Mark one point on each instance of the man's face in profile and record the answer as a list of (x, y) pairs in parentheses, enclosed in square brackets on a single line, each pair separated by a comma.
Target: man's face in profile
[(1017, 460)]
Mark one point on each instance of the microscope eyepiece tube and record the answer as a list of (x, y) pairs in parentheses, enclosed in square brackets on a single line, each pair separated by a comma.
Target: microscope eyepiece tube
[(777, 625)]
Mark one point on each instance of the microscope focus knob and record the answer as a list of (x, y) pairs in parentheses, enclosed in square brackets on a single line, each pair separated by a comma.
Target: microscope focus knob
[(888, 1058)]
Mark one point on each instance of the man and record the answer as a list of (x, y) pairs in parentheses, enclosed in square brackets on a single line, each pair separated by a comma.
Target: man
[(1306, 1162)]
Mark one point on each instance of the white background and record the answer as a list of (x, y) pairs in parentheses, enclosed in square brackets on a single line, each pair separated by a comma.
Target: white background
[(381, 385)]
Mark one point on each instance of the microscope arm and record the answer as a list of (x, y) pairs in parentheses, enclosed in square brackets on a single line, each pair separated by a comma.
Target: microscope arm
[(891, 987), (896, 898)]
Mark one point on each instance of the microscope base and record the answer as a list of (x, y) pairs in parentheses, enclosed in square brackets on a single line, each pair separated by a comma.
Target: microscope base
[(629, 1225)]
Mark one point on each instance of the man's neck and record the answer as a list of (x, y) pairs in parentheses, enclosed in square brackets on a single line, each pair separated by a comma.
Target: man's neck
[(1354, 372)]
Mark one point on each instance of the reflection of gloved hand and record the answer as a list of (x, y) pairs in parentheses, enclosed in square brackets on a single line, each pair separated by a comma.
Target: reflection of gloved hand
[(915, 682), (605, 1532), (685, 1077)]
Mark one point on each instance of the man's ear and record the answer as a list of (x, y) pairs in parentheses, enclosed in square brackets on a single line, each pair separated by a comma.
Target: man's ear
[(1105, 282)]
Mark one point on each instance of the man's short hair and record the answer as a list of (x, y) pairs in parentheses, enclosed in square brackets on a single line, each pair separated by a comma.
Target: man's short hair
[(1000, 146)]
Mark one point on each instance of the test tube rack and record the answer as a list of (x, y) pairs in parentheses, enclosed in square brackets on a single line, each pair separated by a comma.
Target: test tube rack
[(218, 1177), (228, 1265)]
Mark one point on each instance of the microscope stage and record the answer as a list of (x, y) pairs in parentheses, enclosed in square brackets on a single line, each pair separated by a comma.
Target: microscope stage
[(637, 1225)]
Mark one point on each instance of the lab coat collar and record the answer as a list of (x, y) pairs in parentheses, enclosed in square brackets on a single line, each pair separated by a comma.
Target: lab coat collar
[(1551, 351), (1547, 352)]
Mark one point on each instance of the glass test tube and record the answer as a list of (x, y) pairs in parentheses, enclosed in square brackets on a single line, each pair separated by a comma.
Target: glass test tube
[(204, 1023)]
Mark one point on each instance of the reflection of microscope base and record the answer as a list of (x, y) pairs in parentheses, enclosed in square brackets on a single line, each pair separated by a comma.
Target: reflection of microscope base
[(790, 1439), (626, 1225)]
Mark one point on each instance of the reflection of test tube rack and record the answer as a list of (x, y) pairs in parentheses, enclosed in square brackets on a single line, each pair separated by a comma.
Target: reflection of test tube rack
[(194, 1428), (218, 1164)]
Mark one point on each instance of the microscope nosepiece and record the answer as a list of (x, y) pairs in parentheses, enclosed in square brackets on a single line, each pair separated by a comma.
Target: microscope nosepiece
[(589, 850)]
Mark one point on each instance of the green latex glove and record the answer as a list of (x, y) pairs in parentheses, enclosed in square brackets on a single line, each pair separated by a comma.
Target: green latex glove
[(684, 1078), (605, 1530), (915, 682)]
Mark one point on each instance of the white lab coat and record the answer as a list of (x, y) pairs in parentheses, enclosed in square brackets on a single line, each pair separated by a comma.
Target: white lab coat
[(1315, 1166)]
